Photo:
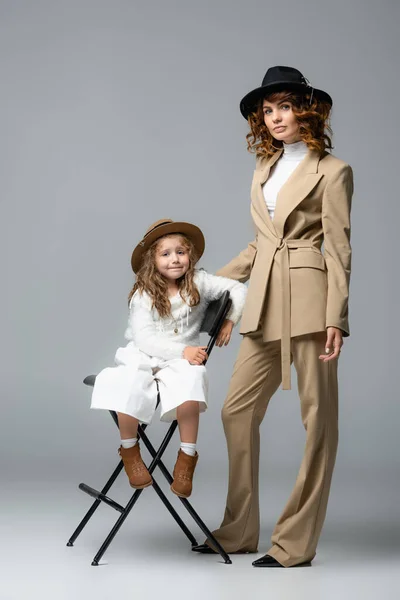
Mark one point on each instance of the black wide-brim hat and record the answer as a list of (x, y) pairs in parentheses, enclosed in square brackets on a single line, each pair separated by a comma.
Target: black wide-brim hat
[(167, 227), (278, 79)]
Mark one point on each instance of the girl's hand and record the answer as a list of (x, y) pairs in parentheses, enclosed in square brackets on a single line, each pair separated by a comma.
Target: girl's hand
[(334, 342), (196, 355), (225, 332)]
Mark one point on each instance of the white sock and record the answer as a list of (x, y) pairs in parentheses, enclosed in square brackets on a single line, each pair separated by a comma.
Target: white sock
[(189, 449), (129, 443)]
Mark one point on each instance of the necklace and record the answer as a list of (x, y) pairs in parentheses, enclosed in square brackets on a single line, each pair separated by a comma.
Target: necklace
[(176, 330), (180, 318), (175, 322)]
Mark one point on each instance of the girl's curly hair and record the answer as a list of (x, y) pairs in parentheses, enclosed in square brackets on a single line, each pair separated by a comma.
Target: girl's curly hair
[(313, 119), (150, 280)]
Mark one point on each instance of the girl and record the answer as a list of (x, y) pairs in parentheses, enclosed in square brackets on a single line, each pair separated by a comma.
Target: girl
[(167, 305), (296, 309)]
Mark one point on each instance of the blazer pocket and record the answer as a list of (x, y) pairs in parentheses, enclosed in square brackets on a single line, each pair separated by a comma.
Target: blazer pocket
[(305, 257)]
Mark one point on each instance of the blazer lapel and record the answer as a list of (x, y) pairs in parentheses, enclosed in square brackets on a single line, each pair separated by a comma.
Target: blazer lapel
[(300, 183)]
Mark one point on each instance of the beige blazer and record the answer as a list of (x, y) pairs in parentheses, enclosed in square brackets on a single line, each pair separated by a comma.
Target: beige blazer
[(295, 287)]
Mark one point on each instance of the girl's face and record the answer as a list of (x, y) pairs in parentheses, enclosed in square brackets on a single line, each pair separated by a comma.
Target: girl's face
[(172, 257), (281, 121)]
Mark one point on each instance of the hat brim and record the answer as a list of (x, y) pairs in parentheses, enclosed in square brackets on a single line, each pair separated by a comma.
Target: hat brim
[(191, 231), (248, 104)]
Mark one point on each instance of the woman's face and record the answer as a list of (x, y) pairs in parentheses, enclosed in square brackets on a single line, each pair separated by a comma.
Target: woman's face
[(281, 121)]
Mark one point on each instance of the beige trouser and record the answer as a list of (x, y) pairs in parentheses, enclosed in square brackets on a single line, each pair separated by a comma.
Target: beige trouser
[(256, 376)]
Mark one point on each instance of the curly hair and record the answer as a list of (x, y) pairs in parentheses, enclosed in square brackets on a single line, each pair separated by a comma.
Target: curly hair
[(313, 119), (150, 280)]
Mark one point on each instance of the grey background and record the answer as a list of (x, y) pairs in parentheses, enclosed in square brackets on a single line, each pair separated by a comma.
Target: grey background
[(116, 114)]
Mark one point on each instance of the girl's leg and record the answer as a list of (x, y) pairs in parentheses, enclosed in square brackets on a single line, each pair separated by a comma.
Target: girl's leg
[(137, 472), (130, 388), (187, 415), (178, 380), (128, 426)]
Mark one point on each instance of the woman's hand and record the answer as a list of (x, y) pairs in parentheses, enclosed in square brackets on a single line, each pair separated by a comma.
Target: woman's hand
[(334, 342), (196, 355), (225, 332)]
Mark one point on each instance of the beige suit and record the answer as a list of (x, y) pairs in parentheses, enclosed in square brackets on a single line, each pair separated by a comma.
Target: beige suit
[(295, 293)]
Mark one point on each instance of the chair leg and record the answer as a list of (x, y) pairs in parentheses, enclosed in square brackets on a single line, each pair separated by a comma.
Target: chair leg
[(133, 500), (126, 512), (95, 505), (116, 528), (173, 512), (156, 455), (205, 530), (158, 462)]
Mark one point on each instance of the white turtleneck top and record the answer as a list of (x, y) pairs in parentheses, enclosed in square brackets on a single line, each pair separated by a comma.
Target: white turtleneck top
[(291, 157)]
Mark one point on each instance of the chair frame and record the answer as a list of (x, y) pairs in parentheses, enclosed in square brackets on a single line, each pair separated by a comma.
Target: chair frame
[(214, 317)]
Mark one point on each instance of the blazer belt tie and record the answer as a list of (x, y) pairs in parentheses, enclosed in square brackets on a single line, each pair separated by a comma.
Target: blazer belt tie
[(283, 246)]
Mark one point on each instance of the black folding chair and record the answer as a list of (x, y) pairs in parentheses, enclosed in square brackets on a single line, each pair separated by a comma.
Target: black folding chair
[(214, 317)]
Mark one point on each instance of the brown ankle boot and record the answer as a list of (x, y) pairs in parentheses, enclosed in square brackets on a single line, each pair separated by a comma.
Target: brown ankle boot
[(137, 472), (183, 474)]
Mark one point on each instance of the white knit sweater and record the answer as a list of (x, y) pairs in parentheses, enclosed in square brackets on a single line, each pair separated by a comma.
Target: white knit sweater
[(156, 336)]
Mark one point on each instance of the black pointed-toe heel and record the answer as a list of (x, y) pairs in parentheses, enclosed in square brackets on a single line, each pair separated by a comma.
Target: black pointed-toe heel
[(269, 561), (203, 549)]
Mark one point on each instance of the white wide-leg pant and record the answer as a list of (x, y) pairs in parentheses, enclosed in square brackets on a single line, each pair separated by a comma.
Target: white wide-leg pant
[(131, 386)]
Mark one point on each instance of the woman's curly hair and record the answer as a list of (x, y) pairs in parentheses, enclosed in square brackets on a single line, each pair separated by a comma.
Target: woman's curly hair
[(313, 119), (150, 280)]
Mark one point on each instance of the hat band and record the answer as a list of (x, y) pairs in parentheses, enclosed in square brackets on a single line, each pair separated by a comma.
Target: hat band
[(308, 84), (142, 243)]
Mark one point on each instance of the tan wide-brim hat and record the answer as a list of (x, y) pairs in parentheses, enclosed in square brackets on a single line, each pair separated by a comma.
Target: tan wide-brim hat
[(165, 227)]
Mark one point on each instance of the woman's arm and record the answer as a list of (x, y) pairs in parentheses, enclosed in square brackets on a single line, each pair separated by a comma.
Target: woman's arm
[(239, 268), (336, 207)]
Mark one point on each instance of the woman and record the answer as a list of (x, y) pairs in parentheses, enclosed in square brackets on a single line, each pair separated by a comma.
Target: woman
[(296, 309)]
